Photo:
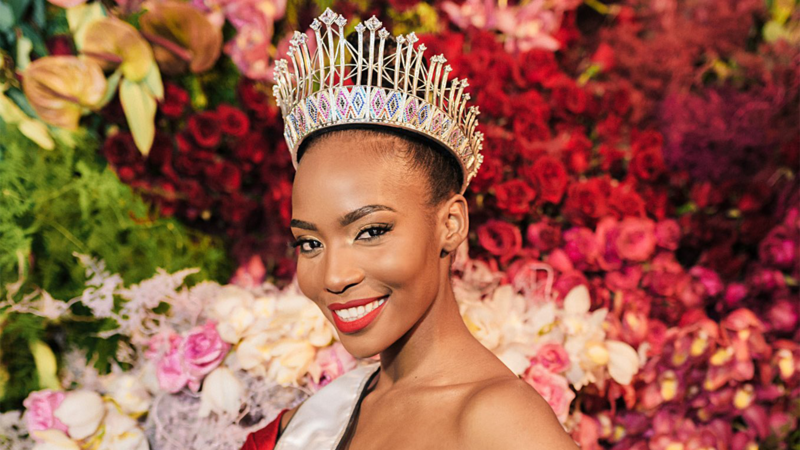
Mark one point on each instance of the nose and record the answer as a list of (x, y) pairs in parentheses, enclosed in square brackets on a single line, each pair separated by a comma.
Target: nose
[(341, 270)]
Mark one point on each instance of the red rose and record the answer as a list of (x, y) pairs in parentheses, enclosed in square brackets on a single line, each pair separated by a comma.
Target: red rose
[(642, 141), (611, 159), (233, 121), (236, 208), (577, 152), (609, 129), (493, 100), (567, 94), (60, 45), (604, 57), (193, 164), (515, 197), (586, 202), (160, 155), (550, 177), (537, 66), (625, 202), (255, 98), (223, 176), (647, 165), (175, 100), (531, 127), (120, 150), (252, 148), (490, 173), (500, 238), (205, 129)]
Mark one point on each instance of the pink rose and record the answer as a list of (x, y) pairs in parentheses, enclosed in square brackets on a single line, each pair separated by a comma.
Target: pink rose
[(783, 315), (668, 234), (551, 356), (567, 281), (553, 388), (202, 351), (161, 344), (735, 293), (709, 279), (169, 370), (778, 249), (607, 232), (544, 236), (39, 408), (627, 278), (636, 240), (333, 361), (581, 247)]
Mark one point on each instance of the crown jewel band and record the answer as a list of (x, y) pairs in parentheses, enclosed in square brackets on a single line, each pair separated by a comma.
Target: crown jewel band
[(341, 84)]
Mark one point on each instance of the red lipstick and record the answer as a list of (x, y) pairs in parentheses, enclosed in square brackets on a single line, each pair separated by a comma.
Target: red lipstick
[(353, 326)]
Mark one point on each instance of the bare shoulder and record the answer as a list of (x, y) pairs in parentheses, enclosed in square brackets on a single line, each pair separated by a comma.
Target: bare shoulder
[(510, 414)]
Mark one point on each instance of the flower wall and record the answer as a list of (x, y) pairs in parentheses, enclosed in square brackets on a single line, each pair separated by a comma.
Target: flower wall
[(635, 223)]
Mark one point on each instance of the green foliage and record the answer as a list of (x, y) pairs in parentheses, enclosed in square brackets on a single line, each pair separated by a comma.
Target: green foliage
[(54, 203)]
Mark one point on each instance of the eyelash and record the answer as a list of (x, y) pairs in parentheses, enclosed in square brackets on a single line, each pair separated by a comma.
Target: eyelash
[(383, 228)]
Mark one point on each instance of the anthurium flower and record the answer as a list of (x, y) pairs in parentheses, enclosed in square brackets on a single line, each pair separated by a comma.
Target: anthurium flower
[(61, 88), (110, 42), (181, 36)]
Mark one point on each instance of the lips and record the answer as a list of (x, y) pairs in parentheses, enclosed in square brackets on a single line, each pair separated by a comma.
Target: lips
[(358, 324)]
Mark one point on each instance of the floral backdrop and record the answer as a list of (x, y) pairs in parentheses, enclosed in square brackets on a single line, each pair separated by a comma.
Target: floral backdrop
[(634, 255)]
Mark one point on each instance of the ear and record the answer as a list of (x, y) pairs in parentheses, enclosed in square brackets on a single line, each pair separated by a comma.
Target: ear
[(454, 216)]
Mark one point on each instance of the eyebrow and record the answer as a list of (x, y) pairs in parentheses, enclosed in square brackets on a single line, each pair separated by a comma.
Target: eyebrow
[(346, 219)]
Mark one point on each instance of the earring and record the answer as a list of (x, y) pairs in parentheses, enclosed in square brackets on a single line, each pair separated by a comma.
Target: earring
[(443, 253)]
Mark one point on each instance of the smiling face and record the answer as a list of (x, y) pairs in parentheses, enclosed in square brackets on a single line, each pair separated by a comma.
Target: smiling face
[(364, 230)]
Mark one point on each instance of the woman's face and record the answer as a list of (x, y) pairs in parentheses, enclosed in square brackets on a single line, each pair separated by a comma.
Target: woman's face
[(364, 232)]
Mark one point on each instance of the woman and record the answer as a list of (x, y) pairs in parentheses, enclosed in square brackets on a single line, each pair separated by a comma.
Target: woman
[(384, 151)]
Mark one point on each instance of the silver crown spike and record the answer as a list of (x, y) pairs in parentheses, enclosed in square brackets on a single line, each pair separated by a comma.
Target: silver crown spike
[(436, 77), (307, 62), (382, 34), (295, 53), (418, 66), (397, 56), (411, 39), (341, 22), (451, 99), (372, 24), (292, 55), (331, 51), (446, 72), (464, 99), (430, 81), (316, 26), (360, 30), (328, 17), (459, 98)]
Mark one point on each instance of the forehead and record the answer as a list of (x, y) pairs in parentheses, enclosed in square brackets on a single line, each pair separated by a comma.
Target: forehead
[(347, 171)]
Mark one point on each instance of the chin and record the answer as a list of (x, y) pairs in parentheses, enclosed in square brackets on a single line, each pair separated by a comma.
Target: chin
[(362, 346)]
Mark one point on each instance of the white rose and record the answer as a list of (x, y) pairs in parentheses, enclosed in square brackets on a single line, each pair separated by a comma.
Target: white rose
[(289, 360), (222, 392), (81, 411), (121, 432), (252, 352), (130, 394), (229, 298), (232, 328), (53, 439)]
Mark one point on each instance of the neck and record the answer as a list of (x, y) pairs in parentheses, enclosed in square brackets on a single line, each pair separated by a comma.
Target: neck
[(432, 351)]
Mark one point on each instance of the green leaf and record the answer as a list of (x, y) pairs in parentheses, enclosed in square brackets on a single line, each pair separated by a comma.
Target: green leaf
[(6, 17), (19, 7), (21, 101), (140, 110), (39, 46), (38, 15)]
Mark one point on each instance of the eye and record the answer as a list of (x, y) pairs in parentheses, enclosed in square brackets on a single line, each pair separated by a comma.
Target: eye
[(307, 245), (374, 232)]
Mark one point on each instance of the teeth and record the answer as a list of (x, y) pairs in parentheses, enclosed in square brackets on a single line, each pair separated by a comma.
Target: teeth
[(351, 314)]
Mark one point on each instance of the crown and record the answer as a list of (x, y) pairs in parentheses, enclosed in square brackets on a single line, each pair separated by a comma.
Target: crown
[(342, 83)]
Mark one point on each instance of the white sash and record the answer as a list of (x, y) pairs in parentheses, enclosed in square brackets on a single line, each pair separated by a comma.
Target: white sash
[(321, 420)]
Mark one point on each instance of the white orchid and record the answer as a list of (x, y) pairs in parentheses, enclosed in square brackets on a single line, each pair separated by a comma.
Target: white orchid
[(222, 393)]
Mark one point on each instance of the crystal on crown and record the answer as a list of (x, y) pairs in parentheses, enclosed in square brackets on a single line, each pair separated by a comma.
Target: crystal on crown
[(374, 82)]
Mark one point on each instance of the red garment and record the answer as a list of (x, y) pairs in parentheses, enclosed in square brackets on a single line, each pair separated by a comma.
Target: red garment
[(265, 438)]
